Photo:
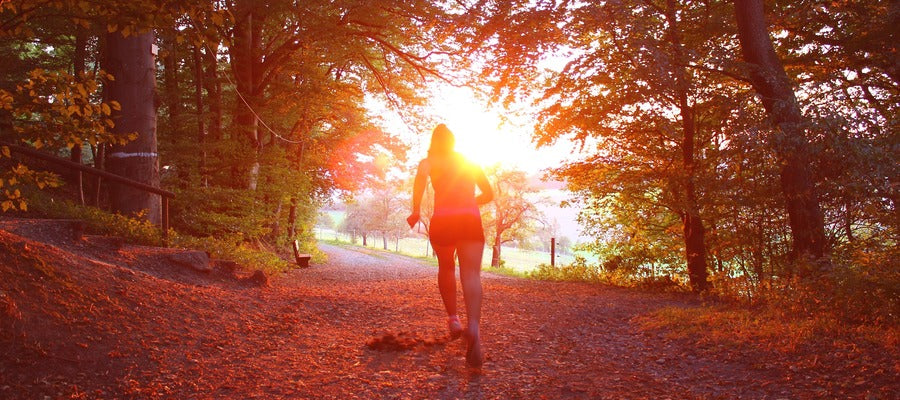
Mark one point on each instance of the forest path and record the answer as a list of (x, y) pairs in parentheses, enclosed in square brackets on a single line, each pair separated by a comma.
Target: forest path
[(543, 339), (83, 320)]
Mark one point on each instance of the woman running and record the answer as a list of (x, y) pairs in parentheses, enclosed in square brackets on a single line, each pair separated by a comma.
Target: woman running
[(455, 230)]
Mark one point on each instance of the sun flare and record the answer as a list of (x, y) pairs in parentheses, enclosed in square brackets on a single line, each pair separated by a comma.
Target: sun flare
[(481, 135)]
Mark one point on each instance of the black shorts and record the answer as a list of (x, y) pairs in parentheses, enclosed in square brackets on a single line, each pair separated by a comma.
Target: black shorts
[(450, 230)]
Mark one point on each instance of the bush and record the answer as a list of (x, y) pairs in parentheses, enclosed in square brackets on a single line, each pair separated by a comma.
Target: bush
[(98, 221), (851, 294), (134, 230), (579, 270), (235, 249), (859, 288)]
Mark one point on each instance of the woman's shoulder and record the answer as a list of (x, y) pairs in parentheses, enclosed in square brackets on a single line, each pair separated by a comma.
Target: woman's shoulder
[(426, 163)]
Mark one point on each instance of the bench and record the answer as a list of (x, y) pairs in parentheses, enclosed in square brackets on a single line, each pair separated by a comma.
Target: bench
[(301, 258)]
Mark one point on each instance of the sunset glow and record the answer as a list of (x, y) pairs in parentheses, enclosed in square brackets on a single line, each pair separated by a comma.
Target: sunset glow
[(480, 133), (487, 135)]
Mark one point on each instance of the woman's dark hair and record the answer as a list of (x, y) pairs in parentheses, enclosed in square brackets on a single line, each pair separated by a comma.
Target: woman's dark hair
[(442, 141)]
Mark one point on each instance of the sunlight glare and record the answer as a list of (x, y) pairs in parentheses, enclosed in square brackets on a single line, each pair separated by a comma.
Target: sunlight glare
[(481, 134)]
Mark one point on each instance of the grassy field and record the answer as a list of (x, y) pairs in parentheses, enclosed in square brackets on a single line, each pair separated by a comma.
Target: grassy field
[(516, 260)]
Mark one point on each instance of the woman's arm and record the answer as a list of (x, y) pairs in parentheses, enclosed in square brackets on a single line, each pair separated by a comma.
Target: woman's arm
[(418, 191), (487, 193)]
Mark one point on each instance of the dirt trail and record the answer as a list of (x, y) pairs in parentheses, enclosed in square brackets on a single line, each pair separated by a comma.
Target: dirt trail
[(135, 331)]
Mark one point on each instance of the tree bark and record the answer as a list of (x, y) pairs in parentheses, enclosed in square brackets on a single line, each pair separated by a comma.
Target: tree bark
[(132, 64), (78, 69), (694, 232), (99, 153), (770, 81), (170, 77), (201, 125), (495, 252), (213, 93), (292, 219), (246, 66)]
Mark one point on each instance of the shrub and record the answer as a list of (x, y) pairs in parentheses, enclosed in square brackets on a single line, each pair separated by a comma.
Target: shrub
[(98, 221), (579, 270), (134, 230)]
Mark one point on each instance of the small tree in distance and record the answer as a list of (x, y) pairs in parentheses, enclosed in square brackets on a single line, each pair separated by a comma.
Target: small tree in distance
[(511, 216)]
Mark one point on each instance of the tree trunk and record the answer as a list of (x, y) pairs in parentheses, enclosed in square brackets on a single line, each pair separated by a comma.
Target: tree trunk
[(695, 252), (694, 232), (201, 126), (78, 69), (495, 252), (132, 64), (774, 88), (99, 153), (276, 222), (365, 240), (170, 78), (848, 220), (213, 93), (384, 240), (292, 219), (245, 63)]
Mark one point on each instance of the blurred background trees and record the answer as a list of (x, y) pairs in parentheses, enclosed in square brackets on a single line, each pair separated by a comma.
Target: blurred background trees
[(513, 214)]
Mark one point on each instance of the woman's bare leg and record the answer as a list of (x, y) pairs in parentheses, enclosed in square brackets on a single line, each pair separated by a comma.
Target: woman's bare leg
[(447, 276), (470, 254)]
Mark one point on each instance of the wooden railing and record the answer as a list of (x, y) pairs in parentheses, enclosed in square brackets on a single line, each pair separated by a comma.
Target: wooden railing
[(164, 194)]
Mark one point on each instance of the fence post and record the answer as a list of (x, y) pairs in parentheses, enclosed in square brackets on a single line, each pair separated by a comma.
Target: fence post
[(165, 219), (553, 252)]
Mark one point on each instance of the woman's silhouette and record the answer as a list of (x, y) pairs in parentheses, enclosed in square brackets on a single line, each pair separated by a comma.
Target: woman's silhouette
[(455, 230)]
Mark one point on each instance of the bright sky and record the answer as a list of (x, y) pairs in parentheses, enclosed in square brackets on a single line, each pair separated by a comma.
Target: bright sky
[(482, 133)]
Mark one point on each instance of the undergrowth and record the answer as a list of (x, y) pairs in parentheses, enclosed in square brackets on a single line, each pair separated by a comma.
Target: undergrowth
[(849, 303), (236, 250), (582, 271), (506, 271), (765, 328), (141, 232), (846, 304)]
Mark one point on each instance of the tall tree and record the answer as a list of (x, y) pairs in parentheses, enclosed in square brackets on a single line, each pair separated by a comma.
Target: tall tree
[(839, 56), (79, 59), (131, 62), (513, 213), (693, 230), (790, 143), (387, 207)]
